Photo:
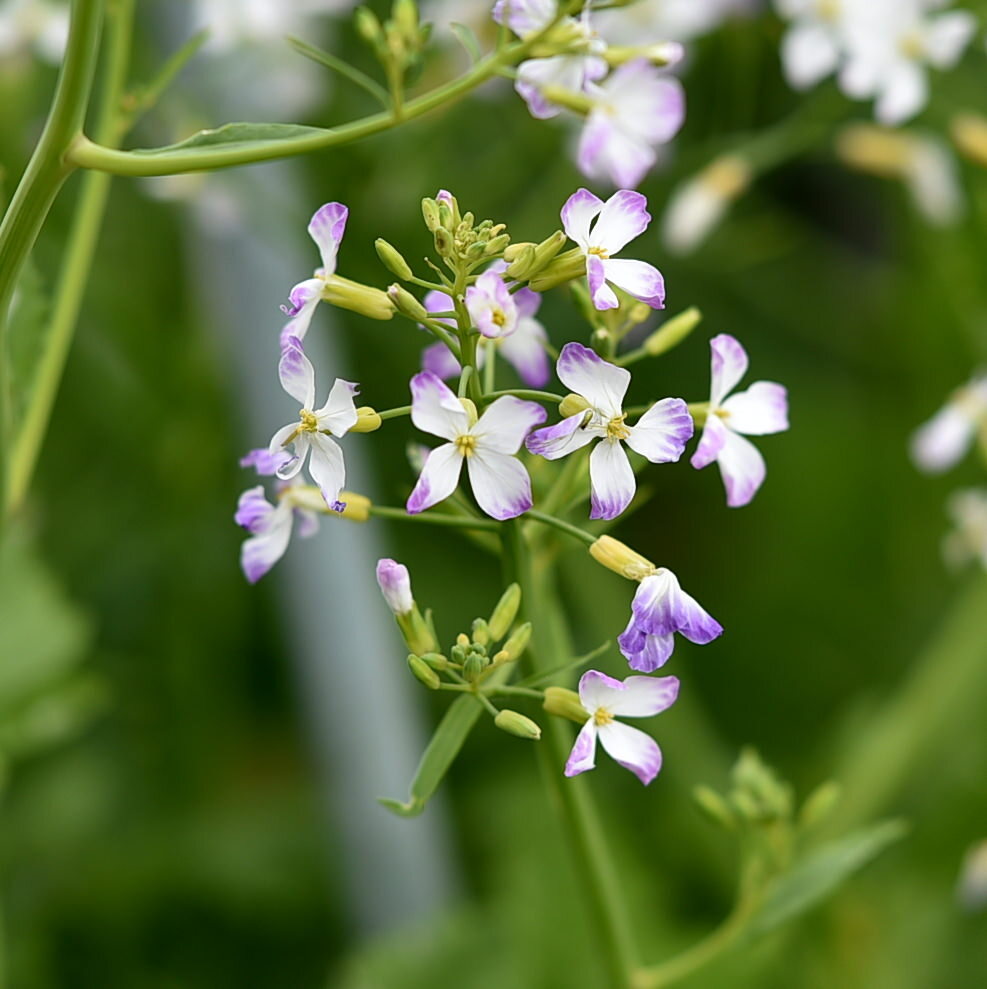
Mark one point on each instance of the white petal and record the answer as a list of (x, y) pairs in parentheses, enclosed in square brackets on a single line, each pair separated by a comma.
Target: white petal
[(729, 364), (611, 480), (288, 469), (760, 410), (601, 294), (524, 350), (597, 690), (947, 36), (326, 467), (438, 479), (326, 228), (742, 467), (561, 439), (297, 374), (632, 749), (303, 300), (710, 443), (601, 383), (338, 415), (637, 278), (583, 754), (663, 431), (609, 154), (809, 53), (933, 182), (435, 409), (645, 696), (500, 484), (259, 553), (623, 217), (505, 423), (943, 441), (577, 214), (904, 93)]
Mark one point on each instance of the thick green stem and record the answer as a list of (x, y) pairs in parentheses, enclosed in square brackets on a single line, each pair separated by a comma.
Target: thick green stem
[(572, 796), (44, 175), (433, 518), (76, 263)]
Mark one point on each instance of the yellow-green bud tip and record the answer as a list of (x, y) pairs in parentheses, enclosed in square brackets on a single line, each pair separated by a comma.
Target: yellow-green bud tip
[(517, 724), (621, 559), (565, 703), (423, 672)]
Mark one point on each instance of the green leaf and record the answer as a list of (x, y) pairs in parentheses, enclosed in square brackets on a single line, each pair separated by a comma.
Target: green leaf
[(467, 39), (28, 329), (242, 136), (448, 739), (819, 873)]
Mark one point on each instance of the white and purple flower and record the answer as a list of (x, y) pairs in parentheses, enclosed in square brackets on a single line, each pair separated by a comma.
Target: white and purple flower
[(491, 306), (659, 610), (660, 434), (311, 436), (945, 439), (605, 699), (394, 582), (759, 411), (634, 110), (602, 229), (488, 444)]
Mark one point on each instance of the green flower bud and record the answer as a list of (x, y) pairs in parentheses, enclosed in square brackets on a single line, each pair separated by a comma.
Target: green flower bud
[(431, 214), (714, 807), (445, 244), (504, 613), (476, 251), (436, 660), (699, 412), (368, 27), (417, 635), (565, 703), (564, 268), (497, 244), (572, 404), (819, 803), (423, 672), (621, 559), (406, 303), (481, 634), (673, 332), (517, 643), (513, 252), (392, 259), (546, 251), (357, 298), (405, 15), (367, 420), (474, 666), (517, 724), (458, 654), (522, 263)]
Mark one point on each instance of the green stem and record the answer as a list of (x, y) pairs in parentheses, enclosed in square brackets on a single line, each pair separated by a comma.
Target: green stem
[(534, 396), (572, 796), (433, 518), (573, 664), (567, 527), (401, 410), (490, 368), (44, 175), (76, 264)]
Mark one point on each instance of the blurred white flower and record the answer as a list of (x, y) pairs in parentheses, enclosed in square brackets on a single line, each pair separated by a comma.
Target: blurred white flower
[(942, 441), (33, 25), (235, 22), (697, 206), (968, 540), (669, 20)]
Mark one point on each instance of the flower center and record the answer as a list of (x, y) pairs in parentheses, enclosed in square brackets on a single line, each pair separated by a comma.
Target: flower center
[(309, 424), (602, 716), (600, 252), (616, 429), (722, 413), (828, 10), (498, 317), (911, 45), (466, 444)]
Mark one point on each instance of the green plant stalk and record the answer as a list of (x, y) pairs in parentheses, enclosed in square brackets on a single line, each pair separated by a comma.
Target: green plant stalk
[(433, 518), (571, 797), (76, 264), (43, 177)]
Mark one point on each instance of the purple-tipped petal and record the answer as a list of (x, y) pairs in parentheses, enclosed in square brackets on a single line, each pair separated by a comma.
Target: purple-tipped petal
[(287, 469), (491, 306), (326, 228), (253, 510), (578, 212), (644, 652), (303, 300), (711, 443), (759, 411), (638, 278), (264, 461), (339, 414), (506, 422), (612, 483), (600, 292), (261, 551), (596, 689), (624, 217), (657, 605), (297, 374), (663, 431), (500, 484), (583, 754), (743, 469), (438, 478), (435, 409), (326, 466), (631, 748), (395, 584), (561, 439), (729, 364), (528, 303), (439, 360), (608, 154), (601, 383), (524, 350)]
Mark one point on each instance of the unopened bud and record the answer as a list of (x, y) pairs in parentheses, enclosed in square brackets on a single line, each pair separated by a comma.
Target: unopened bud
[(474, 666), (564, 268), (430, 214), (445, 244), (367, 421), (572, 404), (405, 15), (417, 635), (517, 643), (423, 672), (514, 251), (819, 803), (699, 412), (697, 206), (362, 299), (356, 507), (662, 53), (522, 263), (548, 249), (517, 724), (875, 150), (395, 584), (462, 640), (406, 303), (436, 660), (969, 134), (392, 259), (621, 559), (497, 244), (504, 613), (481, 634), (368, 27), (565, 703), (672, 332), (714, 807)]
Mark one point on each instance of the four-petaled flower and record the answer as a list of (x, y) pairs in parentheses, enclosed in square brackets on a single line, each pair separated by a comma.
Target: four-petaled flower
[(760, 410), (944, 440), (500, 483), (659, 610), (491, 307), (604, 700), (314, 429), (660, 434), (619, 220)]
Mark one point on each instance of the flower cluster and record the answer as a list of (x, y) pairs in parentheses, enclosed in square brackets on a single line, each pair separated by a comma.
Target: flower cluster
[(480, 309)]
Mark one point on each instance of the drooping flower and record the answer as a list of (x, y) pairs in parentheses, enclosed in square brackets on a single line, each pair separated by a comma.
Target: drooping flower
[(760, 410), (942, 441), (618, 221), (634, 110), (491, 306), (605, 699), (968, 540), (659, 610), (660, 434), (326, 228), (488, 444), (270, 526), (395, 584), (313, 432)]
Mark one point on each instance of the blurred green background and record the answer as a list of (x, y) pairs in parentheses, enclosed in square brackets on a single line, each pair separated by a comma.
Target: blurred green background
[(163, 823)]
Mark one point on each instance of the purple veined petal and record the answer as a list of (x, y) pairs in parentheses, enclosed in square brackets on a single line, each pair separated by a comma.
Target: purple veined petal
[(306, 523), (297, 374), (601, 383), (435, 409), (904, 93), (944, 440), (583, 754), (524, 350), (662, 432), (577, 214), (505, 423), (438, 478), (560, 440), (287, 469), (728, 361), (638, 278), (696, 623), (713, 438), (611, 480), (647, 105), (742, 468), (253, 510), (809, 53), (264, 461), (260, 552), (436, 301), (600, 292), (609, 154), (528, 302), (651, 653), (439, 360), (597, 690), (657, 606), (631, 748), (500, 484), (642, 697), (624, 217), (338, 415), (326, 466), (326, 228), (759, 411), (303, 299)]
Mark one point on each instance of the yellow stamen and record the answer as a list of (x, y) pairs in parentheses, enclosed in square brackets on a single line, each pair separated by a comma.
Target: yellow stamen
[(602, 716), (498, 317), (616, 430), (466, 444), (309, 424), (600, 252)]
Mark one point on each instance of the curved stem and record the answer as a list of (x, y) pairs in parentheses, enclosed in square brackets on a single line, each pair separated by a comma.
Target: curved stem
[(534, 396), (433, 518), (567, 527)]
